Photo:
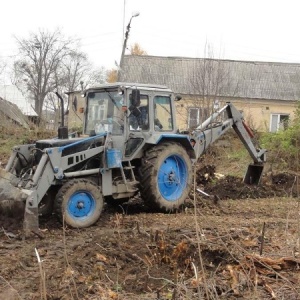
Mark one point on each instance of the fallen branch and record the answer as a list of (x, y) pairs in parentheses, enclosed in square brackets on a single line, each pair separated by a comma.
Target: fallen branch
[(42, 273)]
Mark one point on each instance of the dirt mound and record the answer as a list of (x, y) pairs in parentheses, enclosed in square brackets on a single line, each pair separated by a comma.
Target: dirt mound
[(286, 179), (134, 253), (205, 174), (156, 256), (232, 187)]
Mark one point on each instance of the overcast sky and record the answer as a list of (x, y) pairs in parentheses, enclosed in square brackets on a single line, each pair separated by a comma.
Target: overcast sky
[(260, 30)]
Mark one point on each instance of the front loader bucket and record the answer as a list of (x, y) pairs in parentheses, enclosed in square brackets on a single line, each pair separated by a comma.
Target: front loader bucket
[(18, 202), (12, 198), (253, 174)]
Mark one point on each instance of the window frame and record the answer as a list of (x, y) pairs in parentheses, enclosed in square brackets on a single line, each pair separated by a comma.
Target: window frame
[(168, 108), (279, 121), (201, 113)]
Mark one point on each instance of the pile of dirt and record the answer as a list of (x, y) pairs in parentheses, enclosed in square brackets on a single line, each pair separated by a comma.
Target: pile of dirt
[(141, 255), (135, 253), (215, 251), (232, 187)]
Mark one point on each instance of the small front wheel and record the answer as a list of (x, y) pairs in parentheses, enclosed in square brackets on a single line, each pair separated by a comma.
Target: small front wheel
[(79, 203)]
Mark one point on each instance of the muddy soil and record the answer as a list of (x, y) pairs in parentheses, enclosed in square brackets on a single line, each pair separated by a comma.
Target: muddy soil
[(243, 245), (240, 242)]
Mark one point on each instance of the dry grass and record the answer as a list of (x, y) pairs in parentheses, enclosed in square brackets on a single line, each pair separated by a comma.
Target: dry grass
[(11, 136), (209, 251)]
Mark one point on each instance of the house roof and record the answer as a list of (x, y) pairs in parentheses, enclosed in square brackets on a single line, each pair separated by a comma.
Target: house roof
[(12, 111), (242, 79), (13, 95)]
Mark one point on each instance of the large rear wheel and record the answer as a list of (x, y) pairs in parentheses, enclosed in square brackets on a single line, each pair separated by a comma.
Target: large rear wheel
[(79, 202), (166, 176)]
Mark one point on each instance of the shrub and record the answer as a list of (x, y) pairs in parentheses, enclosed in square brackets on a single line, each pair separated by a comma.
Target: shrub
[(283, 146)]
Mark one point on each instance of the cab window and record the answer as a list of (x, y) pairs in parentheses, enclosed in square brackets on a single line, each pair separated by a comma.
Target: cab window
[(139, 114), (162, 114)]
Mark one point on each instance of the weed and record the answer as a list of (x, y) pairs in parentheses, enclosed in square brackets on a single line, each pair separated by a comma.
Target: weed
[(283, 146)]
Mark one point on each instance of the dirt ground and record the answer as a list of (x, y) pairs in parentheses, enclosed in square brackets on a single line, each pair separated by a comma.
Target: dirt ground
[(241, 242)]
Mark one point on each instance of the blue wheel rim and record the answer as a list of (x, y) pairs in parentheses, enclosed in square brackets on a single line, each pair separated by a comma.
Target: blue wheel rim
[(81, 204), (172, 178)]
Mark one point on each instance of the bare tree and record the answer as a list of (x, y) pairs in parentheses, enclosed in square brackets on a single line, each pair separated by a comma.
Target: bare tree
[(49, 62), (2, 69), (37, 66), (94, 76), (75, 72), (209, 81), (2, 66), (73, 69)]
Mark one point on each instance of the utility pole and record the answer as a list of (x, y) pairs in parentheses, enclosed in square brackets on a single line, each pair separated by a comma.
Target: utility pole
[(125, 43)]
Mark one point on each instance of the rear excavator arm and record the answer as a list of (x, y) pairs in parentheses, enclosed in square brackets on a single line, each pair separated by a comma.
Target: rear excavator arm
[(211, 130)]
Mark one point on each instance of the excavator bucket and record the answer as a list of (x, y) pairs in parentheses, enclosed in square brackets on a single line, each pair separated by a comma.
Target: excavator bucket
[(12, 199), (253, 174)]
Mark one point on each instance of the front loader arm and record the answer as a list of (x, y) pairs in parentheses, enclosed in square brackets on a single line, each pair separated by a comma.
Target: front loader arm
[(31, 185)]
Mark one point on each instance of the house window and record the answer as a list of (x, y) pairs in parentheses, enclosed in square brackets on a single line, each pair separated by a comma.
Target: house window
[(196, 115), (279, 122), (98, 112)]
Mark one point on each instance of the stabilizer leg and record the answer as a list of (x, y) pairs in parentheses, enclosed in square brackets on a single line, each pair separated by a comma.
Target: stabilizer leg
[(31, 216)]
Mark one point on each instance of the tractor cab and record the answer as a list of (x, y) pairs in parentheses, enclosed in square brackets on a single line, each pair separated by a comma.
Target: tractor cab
[(120, 109), (131, 114), (148, 111)]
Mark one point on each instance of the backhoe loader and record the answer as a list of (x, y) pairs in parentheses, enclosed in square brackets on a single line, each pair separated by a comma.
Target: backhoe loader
[(130, 145)]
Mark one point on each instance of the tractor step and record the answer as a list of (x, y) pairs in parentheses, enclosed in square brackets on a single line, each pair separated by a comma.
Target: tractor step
[(132, 186), (128, 167)]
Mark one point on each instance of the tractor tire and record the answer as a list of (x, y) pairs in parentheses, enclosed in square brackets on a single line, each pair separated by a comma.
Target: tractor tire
[(165, 176), (79, 203)]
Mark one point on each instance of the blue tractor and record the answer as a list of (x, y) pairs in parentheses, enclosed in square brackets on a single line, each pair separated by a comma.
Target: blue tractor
[(130, 145)]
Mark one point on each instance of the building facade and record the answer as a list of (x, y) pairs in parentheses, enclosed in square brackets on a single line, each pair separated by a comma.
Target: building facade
[(266, 92)]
